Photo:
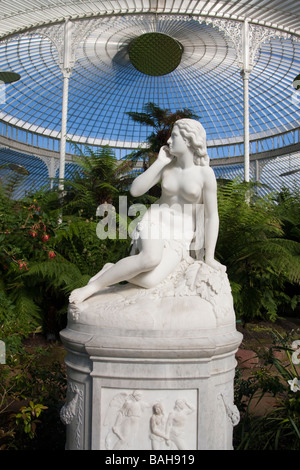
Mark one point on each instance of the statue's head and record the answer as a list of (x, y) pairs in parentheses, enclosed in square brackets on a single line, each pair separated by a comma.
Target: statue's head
[(157, 409), (179, 404), (195, 135), (137, 395)]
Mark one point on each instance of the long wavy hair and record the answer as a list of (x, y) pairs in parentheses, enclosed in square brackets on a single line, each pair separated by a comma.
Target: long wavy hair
[(195, 134)]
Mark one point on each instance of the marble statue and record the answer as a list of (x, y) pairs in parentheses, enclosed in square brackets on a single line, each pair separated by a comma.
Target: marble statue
[(170, 227), (151, 361)]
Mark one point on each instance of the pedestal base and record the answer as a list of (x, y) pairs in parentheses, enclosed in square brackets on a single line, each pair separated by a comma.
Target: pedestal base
[(151, 371)]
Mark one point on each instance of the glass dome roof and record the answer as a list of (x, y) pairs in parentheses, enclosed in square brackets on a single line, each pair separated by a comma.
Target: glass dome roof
[(104, 85), (16, 15)]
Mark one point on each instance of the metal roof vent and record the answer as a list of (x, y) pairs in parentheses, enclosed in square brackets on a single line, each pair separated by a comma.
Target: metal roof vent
[(155, 53)]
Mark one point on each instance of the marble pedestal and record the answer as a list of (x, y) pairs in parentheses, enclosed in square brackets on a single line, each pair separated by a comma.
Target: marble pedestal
[(153, 369)]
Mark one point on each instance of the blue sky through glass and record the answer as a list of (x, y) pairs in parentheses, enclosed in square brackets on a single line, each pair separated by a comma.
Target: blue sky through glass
[(101, 92)]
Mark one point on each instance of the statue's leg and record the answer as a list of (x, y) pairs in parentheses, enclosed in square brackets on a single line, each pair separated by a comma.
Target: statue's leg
[(105, 267), (149, 257), (169, 261)]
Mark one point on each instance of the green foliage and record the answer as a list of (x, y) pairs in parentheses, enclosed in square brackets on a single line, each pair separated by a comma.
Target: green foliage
[(14, 325), (27, 418), (262, 258), (49, 244), (27, 231), (100, 178), (288, 210), (279, 427), (162, 122), (33, 381)]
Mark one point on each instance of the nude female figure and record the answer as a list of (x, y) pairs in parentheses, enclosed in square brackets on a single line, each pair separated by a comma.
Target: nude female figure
[(158, 428), (186, 180)]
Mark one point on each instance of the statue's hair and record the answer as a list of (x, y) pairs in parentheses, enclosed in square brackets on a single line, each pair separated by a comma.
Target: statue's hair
[(195, 134)]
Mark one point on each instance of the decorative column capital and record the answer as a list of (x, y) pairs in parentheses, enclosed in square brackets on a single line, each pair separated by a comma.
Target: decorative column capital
[(257, 35), (245, 73)]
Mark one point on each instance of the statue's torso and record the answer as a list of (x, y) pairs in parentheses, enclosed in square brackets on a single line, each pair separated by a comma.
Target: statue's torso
[(182, 186)]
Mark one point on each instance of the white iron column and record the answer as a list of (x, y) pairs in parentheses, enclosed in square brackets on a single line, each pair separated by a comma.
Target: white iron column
[(245, 74), (64, 113)]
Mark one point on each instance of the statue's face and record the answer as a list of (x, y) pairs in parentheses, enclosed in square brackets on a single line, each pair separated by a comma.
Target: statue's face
[(177, 144), (137, 396), (157, 410)]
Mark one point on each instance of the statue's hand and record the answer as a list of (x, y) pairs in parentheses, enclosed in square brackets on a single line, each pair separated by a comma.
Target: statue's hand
[(164, 155)]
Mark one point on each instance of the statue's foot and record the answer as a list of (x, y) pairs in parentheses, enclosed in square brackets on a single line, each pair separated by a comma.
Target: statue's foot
[(105, 268), (79, 295)]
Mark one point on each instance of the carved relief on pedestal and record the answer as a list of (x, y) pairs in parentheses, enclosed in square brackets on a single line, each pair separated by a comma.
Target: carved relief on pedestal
[(227, 416), (72, 411), (149, 419), (231, 410)]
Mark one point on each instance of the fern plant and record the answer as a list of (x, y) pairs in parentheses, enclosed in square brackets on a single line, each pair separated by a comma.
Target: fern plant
[(99, 178), (50, 245), (261, 261)]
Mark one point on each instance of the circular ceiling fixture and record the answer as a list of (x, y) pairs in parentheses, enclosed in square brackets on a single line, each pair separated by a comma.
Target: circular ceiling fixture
[(9, 77), (18, 169), (155, 54)]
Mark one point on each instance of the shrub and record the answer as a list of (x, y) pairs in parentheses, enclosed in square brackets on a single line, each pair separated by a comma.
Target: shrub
[(34, 384), (262, 258), (279, 427)]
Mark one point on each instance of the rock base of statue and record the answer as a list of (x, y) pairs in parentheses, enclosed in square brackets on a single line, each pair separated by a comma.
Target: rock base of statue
[(153, 369)]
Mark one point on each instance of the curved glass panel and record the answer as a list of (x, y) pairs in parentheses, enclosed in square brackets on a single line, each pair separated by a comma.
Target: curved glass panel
[(104, 85)]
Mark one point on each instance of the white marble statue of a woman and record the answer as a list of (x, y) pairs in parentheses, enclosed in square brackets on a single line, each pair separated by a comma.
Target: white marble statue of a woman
[(164, 235)]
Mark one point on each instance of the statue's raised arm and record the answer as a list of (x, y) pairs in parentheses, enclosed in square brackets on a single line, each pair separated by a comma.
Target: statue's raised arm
[(152, 175)]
